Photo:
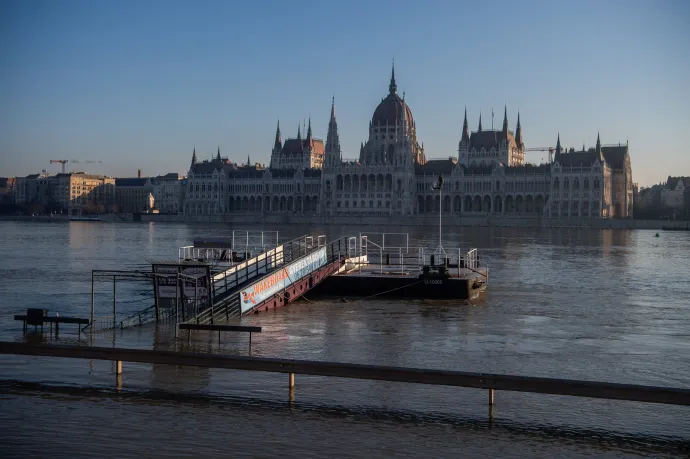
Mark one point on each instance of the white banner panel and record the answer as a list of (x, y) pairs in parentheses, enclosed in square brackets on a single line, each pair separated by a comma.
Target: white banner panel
[(282, 278)]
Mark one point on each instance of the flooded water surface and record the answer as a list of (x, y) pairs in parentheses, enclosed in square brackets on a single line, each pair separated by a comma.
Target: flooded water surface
[(584, 304)]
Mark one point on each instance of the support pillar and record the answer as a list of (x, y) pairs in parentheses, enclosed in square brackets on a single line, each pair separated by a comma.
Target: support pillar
[(93, 304), (114, 303)]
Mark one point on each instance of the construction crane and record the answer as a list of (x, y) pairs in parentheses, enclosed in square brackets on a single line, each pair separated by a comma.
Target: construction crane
[(549, 149), (63, 162)]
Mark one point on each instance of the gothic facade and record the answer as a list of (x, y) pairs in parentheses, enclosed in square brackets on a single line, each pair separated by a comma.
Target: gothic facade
[(392, 175)]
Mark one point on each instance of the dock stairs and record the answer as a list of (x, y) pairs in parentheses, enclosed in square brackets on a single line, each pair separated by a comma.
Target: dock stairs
[(267, 280)]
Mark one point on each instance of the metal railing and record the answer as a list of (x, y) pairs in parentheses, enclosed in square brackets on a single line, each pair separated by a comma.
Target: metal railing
[(551, 386), (393, 251), (225, 302), (242, 243)]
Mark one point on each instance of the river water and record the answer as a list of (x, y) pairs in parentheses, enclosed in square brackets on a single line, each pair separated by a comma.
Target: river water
[(601, 305)]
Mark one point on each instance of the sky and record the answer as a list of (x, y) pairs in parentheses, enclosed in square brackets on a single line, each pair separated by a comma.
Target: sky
[(139, 84)]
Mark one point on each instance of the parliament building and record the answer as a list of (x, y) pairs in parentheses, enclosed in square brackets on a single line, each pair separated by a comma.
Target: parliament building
[(392, 176)]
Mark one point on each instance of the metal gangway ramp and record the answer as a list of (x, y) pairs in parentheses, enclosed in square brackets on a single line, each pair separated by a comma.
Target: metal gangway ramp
[(270, 279)]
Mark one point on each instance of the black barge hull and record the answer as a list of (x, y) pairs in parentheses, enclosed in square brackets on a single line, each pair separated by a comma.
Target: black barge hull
[(401, 287)]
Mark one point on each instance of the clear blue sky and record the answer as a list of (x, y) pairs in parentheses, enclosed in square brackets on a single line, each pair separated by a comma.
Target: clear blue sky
[(136, 84)]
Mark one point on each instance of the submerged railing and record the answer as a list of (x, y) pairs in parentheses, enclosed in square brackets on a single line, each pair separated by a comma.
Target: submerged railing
[(491, 382)]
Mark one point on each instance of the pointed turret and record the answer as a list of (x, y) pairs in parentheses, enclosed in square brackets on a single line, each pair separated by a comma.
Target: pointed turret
[(518, 131), (598, 143), (505, 119), (278, 144), (465, 130), (309, 139), (333, 153), (599, 153), (393, 88), (480, 122), (218, 155), (557, 157), (194, 157)]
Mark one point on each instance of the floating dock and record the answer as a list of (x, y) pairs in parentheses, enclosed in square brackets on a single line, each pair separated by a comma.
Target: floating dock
[(216, 280), (384, 267)]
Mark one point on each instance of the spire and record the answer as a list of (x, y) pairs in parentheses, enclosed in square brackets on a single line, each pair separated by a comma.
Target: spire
[(332, 120), (518, 130), (278, 144), (309, 132), (480, 122), (558, 143), (465, 129), (505, 118), (218, 155), (599, 147), (333, 153), (249, 161), (299, 135), (393, 88), (558, 148), (194, 156), (598, 142)]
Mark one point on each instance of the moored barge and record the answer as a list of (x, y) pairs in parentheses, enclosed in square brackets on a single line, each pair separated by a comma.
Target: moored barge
[(385, 264)]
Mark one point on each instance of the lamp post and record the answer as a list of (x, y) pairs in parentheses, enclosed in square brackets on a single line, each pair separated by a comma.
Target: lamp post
[(439, 186)]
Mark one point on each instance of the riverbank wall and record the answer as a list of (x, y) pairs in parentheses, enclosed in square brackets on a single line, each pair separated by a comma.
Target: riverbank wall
[(480, 220)]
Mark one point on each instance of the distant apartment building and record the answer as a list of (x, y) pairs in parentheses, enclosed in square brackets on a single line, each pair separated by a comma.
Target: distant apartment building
[(7, 190), (132, 194), (673, 192), (168, 193), (73, 193), (33, 191), (83, 193)]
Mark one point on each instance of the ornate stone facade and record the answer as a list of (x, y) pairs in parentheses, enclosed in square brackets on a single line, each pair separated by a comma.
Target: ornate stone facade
[(393, 177)]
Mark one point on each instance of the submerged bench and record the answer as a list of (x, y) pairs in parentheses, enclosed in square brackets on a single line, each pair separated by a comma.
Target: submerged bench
[(36, 317), (220, 328)]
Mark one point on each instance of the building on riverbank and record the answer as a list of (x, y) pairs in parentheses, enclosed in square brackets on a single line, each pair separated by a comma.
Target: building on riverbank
[(71, 193), (392, 175), (168, 193), (132, 194)]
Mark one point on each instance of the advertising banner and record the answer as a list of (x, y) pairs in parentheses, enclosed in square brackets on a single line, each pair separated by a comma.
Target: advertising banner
[(280, 279)]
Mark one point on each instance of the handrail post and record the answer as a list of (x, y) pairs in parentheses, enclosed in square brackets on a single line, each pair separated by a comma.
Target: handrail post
[(114, 304), (93, 304)]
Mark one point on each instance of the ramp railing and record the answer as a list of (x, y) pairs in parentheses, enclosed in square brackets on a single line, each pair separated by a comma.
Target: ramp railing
[(305, 260), (226, 285)]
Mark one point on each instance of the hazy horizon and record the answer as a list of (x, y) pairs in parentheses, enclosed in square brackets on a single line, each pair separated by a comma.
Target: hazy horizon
[(139, 85)]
